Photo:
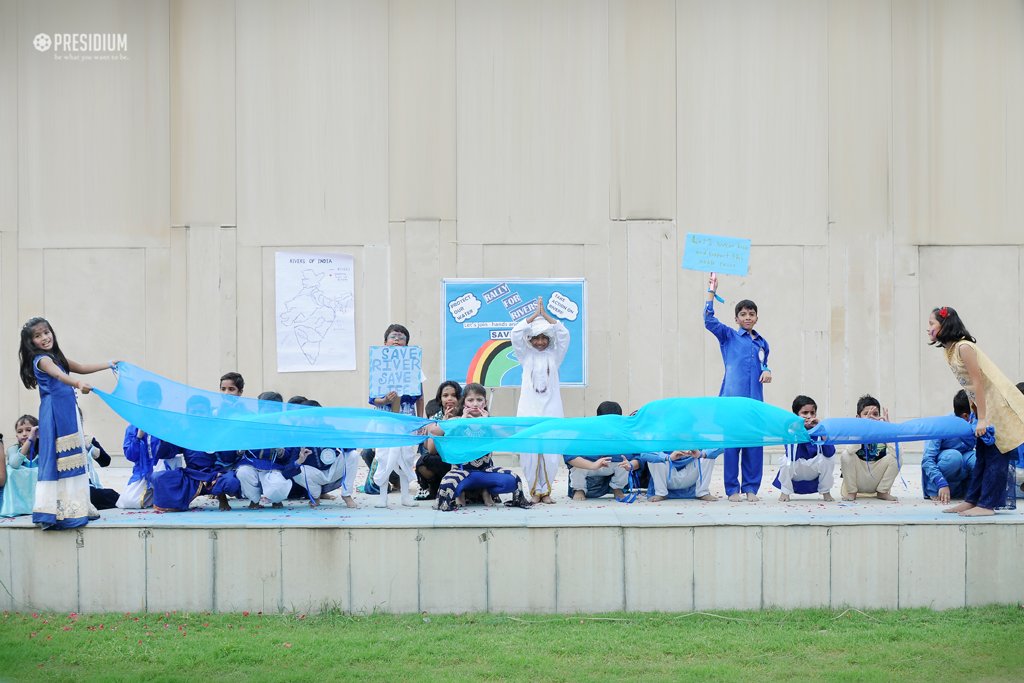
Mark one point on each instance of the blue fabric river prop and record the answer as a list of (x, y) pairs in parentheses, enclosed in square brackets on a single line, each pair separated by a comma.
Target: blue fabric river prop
[(208, 421), (664, 425)]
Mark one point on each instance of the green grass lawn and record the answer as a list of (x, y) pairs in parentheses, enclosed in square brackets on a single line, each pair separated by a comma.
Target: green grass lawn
[(966, 644)]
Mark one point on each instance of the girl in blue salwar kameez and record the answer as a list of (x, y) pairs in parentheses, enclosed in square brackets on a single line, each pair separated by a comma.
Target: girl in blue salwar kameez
[(62, 487)]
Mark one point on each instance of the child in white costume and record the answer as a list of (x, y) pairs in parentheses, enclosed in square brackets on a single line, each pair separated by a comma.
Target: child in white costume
[(540, 346)]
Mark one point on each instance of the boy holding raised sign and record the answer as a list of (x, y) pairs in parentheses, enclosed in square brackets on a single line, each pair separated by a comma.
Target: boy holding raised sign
[(399, 459), (745, 356)]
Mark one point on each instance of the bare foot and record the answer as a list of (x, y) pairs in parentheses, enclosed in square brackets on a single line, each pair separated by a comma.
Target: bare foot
[(350, 502), (222, 501), (328, 496), (461, 500), (735, 498), (784, 498), (264, 500), (579, 495), (959, 507), (850, 497), (535, 499), (314, 504), (751, 498), (255, 506), (827, 497), (277, 505), (885, 495), (488, 500), (710, 497), (547, 500), (618, 493), (977, 512), (655, 499)]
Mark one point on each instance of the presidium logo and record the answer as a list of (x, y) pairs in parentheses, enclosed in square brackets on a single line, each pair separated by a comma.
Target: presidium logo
[(84, 47)]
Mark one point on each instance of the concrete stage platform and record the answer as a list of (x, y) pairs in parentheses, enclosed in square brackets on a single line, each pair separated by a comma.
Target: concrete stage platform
[(593, 556)]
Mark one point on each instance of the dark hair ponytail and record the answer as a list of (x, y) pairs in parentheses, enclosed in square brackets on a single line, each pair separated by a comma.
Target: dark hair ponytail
[(952, 328)]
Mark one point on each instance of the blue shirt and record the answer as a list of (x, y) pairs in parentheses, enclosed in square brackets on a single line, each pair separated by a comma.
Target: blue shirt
[(930, 472), (745, 355), (809, 451)]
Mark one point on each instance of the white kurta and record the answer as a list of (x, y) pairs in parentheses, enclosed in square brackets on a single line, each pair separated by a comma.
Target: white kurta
[(540, 396)]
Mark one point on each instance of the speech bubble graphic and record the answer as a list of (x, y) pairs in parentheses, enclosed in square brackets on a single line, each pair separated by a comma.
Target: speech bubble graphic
[(563, 307), (464, 307)]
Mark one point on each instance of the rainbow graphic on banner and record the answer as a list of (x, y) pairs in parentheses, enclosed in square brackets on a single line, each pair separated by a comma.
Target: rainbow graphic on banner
[(490, 363)]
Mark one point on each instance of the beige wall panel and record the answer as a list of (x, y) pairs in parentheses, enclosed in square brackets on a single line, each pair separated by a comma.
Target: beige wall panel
[(698, 373), (907, 332), (861, 299), (179, 570), (455, 580), (933, 566), (315, 570), (994, 550), (658, 569), (247, 573), (521, 571), (255, 316), (165, 319), (719, 582), (533, 118), (397, 274), (6, 571), (384, 570), (1014, 19), (644, 283), (421, 109), (783, 587), (859, 115), (211, 307), (92, 328), (956, 77), (752, 93), (469, 259), (312, 121), (865, 567), (949, 277), (31, 302), (583, 585), (93, 136), (54, 589), (9, 114), (11, 320), (99, 591), (423, 294), (642, 84), (202, 84)]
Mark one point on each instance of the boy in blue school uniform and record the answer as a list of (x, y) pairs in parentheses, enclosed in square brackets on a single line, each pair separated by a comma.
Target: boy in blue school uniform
[(947, 464), (592, 476), (745, 356), (681, 474)]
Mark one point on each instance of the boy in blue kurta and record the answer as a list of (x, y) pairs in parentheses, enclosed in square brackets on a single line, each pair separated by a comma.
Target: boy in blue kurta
[(947, 464), (745, 355)]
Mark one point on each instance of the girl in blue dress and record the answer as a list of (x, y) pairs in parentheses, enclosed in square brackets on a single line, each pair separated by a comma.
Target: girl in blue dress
[(62, 488)]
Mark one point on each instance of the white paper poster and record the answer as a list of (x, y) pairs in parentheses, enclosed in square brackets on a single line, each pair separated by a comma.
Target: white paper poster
[(315, 312)]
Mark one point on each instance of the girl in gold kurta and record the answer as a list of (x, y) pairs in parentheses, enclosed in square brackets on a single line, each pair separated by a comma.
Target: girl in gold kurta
[(998, 405)]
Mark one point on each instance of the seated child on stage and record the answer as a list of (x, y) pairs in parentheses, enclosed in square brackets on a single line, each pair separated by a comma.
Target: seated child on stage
[(430, 468), (203, 474), (681, 474), (322, 470), (592, 476), (946, 464), (147, 454), (806, 467), (869, 468), (265, 474), (479, 475), (400, 459), (20, 466)]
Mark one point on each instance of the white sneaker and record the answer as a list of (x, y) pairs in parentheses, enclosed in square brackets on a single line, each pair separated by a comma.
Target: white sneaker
[(408, 502), (382, 500)]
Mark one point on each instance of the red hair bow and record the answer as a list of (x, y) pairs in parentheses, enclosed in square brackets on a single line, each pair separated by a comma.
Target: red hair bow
[(943, 312)]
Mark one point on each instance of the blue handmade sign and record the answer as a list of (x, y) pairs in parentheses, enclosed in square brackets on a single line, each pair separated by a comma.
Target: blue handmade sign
[(477, 320), (395, 368), (716, 254)]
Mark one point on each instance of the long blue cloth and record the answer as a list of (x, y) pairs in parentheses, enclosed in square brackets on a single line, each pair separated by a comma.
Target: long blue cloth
[(210, 422), (664, 425)]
